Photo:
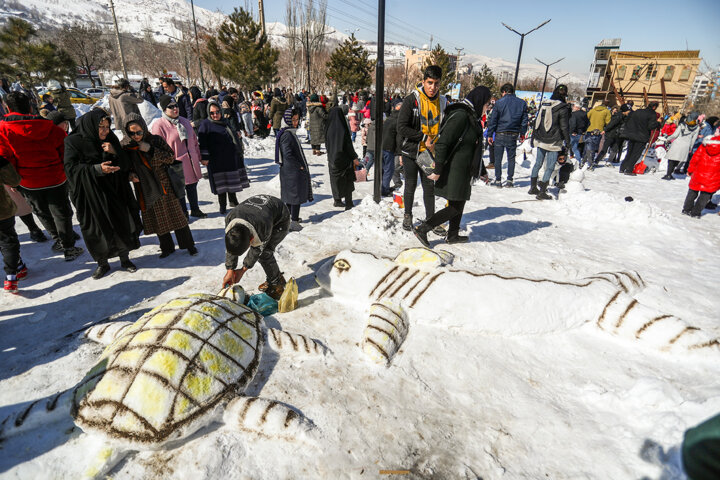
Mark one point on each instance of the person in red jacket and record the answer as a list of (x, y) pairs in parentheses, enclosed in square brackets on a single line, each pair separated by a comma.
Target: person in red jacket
[(704, 173), (35, 147)]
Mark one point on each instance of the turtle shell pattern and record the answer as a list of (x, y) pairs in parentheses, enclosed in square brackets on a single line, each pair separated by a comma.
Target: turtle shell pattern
[(169, 368)]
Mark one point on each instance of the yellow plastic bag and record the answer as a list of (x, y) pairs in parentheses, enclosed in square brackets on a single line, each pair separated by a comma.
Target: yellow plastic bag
[(289, 299)]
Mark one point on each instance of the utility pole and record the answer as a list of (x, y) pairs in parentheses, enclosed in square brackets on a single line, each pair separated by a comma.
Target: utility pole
[(197, 45), (547, 68), (261, 10), (522, 39), (457, 62), (117, 37), (379, 101), (307, 58)]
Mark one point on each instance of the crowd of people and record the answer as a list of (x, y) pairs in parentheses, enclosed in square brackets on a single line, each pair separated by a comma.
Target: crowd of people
[(125, 178)]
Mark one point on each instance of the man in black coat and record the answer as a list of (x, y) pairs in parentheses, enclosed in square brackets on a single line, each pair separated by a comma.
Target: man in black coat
[(390, 147), (638, 127), (579, 123), (612, 135), (259, 224)]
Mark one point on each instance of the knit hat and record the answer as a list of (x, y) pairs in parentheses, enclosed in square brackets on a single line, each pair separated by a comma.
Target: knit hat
[(56, 117), (396, 102), (356, 107), (164, 101), (624, 107), (287, 116)]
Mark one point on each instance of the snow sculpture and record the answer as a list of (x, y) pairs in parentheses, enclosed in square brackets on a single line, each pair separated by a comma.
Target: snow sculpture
[(170, 373), (433, 293)]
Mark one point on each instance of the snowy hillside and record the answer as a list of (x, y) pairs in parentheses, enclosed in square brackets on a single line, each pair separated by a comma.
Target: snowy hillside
[(134, 16), (499, 376)]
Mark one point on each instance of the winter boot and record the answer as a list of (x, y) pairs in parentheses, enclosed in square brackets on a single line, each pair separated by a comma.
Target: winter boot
[(11, 284), (407, 222), (533, 186), (101, 270), (421, 232), (454, 237), (36, 235), (198, 213), (439, 231), (295, 226), (72, 253), (543, 195)]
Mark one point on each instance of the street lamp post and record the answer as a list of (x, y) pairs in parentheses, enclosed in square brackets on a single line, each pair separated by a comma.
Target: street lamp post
[(547, 69), (522, 39), (558, 78), (379, 101)]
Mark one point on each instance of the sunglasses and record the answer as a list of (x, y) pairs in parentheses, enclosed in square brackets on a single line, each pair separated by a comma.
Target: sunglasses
[(215, 113), (136, 134), (172, 105)]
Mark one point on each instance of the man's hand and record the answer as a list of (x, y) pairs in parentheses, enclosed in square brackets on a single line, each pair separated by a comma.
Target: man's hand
[(356, 163), (204, 162), (107, 167), (434, 177), (233, 276), (490, 141)]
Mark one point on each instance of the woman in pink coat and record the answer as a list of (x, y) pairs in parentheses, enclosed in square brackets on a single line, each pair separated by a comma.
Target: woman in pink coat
[(180, 135), (354, 121)]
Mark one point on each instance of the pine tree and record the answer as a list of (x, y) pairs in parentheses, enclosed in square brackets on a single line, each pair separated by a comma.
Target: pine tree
[(486, 78), (438, 56), (22, 55), (350, 66), (241, 52)]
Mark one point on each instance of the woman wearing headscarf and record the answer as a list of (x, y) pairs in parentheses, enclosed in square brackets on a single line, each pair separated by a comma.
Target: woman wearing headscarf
[(342, 158), (199, 104), (97, 170), (683, 140), (458, 159), (278, 105), (221, 147), (318, 117), (230, 114), (150, 157), (295, 187), (179, 134), (551, 130)]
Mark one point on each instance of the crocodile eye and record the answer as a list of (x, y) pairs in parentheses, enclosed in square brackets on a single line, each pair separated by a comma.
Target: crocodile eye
[(341, 265)]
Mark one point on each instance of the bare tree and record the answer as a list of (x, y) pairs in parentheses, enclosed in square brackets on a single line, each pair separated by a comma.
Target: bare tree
[(87, 46)]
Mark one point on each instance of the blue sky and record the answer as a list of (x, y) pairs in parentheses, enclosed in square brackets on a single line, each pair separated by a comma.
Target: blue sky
[(576, 27)]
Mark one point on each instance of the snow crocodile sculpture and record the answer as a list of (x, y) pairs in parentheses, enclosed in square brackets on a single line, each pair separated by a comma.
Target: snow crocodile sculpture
[(420, 286), (170, 373)]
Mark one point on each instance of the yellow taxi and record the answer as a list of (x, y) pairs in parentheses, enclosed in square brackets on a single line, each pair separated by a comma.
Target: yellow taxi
[(76, 96)]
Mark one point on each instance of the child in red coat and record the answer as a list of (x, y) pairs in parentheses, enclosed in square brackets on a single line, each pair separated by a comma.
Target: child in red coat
[(705, 176)]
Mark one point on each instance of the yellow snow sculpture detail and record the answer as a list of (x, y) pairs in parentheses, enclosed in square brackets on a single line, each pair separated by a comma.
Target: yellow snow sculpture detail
[(197, 322)]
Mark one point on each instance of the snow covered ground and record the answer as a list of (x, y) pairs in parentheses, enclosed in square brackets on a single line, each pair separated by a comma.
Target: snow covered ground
[(456, 402)]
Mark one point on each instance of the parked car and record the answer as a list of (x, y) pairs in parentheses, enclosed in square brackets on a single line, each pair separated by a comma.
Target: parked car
[(97, 92), (76, 96)]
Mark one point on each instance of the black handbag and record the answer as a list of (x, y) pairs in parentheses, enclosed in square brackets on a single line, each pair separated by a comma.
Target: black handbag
[(177, 178)]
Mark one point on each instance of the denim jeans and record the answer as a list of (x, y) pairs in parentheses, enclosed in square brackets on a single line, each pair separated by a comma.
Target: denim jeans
[(575, 146), (352, 136), (547, 157), (388, 169), (505, 142), (369, 160), (592, 142)]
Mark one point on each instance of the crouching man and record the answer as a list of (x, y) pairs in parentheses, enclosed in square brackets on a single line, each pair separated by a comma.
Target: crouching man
[(259, 223)]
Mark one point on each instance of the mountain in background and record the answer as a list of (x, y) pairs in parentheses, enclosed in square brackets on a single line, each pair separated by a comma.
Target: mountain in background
[(162, 21)]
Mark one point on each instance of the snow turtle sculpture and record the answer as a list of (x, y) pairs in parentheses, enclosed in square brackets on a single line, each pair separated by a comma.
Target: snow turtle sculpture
[(170, 373), (420, 287)]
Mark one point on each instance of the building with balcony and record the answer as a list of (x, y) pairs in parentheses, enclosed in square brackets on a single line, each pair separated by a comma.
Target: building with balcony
[(643, 77), (600, 61)]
